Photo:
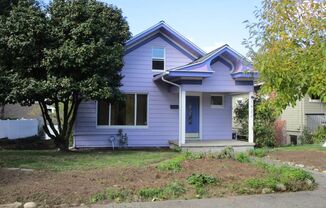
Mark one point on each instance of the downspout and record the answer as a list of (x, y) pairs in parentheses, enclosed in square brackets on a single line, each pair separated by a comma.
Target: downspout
[(180, 110)]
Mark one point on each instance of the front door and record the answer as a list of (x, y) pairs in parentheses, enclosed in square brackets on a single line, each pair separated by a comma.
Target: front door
[(192, 117)]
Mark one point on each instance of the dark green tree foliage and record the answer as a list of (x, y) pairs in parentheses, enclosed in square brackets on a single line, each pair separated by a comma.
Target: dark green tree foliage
[(265, 117), (62, 55), (6, 6)]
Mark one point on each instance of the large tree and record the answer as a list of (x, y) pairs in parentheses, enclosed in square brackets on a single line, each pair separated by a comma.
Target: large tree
[(5, 8), (288, 47), (70, 52)]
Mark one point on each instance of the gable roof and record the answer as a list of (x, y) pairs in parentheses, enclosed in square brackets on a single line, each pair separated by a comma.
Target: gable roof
[(201, 66), (213, 54), (167, 31)]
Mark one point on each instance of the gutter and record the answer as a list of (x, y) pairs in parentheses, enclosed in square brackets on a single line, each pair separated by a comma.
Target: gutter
[(180, 110)]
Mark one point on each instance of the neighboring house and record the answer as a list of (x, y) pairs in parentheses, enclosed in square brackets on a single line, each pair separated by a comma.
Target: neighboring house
[(16, 111), (174, 91), (308, 113)]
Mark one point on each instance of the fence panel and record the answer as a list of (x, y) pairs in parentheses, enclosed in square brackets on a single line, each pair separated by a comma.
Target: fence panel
[(14, 129)]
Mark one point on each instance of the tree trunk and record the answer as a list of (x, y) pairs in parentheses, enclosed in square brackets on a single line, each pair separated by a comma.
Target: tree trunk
[(65, 119), (2, 111)]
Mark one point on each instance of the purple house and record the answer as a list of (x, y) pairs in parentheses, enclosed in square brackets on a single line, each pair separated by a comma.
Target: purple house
[(175, 94)]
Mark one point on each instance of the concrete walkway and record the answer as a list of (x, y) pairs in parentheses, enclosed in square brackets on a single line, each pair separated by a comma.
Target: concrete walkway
[(304, 199)]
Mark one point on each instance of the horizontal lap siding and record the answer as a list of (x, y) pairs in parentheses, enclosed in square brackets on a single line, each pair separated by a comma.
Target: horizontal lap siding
[(220, 81), (217, 122), (138, 76)]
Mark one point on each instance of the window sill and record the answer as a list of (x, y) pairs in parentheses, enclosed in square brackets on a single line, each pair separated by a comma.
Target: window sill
[(217, 106), (314, 101), (120, 127), (158, 70)]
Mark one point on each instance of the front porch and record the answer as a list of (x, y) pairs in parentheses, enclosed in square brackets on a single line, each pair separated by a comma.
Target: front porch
[(212, 145), (205, 88)]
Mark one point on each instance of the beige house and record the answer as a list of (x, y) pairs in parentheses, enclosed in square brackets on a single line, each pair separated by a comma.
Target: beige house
[(308, 113)]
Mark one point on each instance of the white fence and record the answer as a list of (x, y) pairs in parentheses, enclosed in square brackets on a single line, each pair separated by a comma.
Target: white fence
[(14, 129)]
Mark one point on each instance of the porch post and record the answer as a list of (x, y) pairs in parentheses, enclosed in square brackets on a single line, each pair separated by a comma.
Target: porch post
[(182, 117), (251, 118)]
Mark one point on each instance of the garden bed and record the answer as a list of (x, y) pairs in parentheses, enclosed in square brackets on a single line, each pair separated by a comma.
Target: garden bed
[(184, 176), (311, 156)]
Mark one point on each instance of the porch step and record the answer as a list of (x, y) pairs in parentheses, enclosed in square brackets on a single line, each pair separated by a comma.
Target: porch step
[(212, 145)]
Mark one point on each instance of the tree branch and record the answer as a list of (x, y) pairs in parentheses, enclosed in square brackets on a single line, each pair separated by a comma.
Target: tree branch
[(57, 110), (45, 126), (48, 118), (73, 117)]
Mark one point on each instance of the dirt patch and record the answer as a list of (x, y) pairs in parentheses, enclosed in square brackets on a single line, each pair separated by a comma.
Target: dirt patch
[(52, 188), (315, 159)]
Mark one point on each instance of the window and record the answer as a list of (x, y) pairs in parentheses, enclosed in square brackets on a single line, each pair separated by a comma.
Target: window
[(314, 99), (130, 112), (158, 58), (217, 101)]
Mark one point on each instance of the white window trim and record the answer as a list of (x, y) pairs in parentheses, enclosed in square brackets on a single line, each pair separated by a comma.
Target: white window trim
[(135, 116), (314, 100), (159, 58), (216, 106)]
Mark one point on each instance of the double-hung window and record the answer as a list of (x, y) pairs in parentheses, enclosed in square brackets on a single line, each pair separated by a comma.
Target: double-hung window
[(314, 98), (132, 111), (158, 58), (217, 101)]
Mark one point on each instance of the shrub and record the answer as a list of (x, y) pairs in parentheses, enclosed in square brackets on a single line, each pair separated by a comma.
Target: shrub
[(112, 194), (260, 183), (201, 180), (171, 191), (258, 152), (264, 133), (226, 153), (242, 157), (194, 156), (264, 121), (320, 136), (293, 178), (149, 193), (173, 164), (306, 137)]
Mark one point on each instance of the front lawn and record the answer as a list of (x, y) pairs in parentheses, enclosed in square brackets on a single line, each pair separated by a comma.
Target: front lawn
[(61, 161), (311, 156), (125, 176), (306, 147)]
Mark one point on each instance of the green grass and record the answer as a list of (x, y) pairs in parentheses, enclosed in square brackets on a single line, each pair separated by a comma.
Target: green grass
[(59, 161), (174, 164), (259, 152), (309, 147), (294, 179), (171, 191)]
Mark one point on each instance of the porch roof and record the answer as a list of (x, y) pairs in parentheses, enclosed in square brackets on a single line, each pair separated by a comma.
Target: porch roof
[(240, 67)]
